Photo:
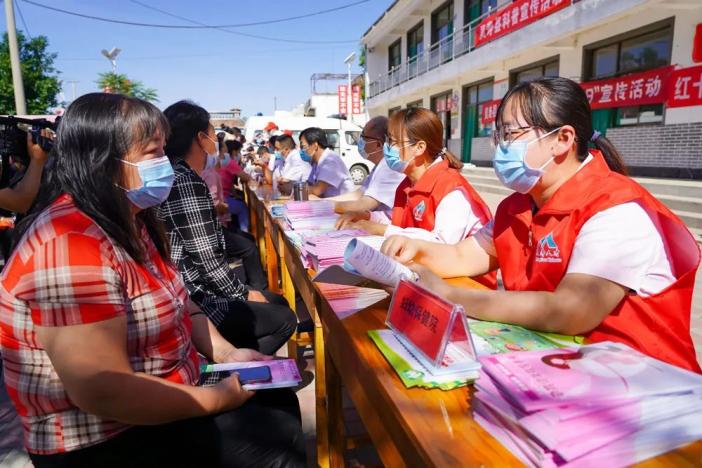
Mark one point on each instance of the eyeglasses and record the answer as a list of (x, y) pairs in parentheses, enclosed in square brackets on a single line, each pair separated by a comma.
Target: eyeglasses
[(505, 136), (368, 139), (399, 143)]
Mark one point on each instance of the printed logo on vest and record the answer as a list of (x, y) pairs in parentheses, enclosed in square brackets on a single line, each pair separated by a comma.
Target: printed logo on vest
[(547, 251), (418, 211)]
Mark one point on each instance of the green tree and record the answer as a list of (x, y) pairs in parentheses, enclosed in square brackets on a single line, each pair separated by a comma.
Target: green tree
[(119, 83), (41, 79)]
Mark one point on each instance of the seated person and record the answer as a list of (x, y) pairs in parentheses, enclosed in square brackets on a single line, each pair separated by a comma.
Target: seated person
[(435, 202), (294, 169), (231, 174), (378, 190), (99, 339), (329, 176), (273, 166), (250, 318), (582, 248)]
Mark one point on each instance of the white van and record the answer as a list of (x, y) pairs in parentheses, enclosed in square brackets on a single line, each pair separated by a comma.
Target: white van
[(341, 135)]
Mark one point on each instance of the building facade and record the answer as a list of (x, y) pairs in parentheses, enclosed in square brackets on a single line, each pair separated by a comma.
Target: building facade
[(639, 61)]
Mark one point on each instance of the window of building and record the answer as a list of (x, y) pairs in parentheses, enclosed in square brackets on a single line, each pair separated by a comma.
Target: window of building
[(393, 110), (415, 41), (474, 9), (415, 104), (394, 55), (637, 51), (475, 97), (534, 72), (442, 22), (441, 104)]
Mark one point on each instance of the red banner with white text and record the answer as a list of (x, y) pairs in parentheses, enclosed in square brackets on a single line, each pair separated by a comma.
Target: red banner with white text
[(649, 87), (685, 87), (514, 16), (488, 111), (343, 99)]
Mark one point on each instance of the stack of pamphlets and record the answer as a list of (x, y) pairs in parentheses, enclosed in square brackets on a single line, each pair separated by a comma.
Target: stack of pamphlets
[(327, 248), (602, 404)]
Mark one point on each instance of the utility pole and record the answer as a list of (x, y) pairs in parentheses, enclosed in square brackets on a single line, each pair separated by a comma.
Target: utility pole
[(349, 99), (17, 83), (73, 89), (275, 103)]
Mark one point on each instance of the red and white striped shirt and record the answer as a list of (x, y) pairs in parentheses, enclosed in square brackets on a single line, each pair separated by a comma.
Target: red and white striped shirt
[(67, 271)]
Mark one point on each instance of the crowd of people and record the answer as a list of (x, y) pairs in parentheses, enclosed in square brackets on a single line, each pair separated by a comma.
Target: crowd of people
[(135, 261)]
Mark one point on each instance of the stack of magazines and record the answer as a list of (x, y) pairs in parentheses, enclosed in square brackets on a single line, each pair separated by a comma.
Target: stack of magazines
[(602, 404)]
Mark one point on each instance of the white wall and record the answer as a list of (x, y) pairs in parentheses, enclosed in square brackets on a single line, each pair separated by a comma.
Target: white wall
[(552, 36)]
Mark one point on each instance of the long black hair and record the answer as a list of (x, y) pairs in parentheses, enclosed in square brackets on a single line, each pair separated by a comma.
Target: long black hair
[(186, 120), (550, 103), (96, 132)]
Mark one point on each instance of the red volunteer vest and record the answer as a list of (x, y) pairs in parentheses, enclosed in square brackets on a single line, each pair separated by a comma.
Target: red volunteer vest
[(534, 251), (415, 207)]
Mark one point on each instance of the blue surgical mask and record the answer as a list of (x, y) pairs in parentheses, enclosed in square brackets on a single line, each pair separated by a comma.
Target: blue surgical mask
[(226, 160), (211, 161), (392, 157), (156, 179), (279, 156), (362, 147), (305, 157), (512, 169)]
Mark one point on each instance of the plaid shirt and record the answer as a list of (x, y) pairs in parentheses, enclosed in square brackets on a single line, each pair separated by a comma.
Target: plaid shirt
[(197, 244), (66, 271)]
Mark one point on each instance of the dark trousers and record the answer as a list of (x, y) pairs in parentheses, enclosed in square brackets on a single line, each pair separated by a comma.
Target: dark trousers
[(265, 327), (240, 245), (264, 432)]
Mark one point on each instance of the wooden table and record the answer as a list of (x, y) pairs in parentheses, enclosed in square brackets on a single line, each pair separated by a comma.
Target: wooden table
[(408, 427), (279, 254)]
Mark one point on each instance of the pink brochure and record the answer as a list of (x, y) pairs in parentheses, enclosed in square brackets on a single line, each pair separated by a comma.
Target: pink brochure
[(588, 376)]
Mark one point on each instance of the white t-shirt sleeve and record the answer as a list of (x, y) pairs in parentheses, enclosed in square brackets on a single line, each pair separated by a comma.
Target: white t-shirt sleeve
[(623, 245), (485, 238), (382, 184), (454, 220), (295, 169)]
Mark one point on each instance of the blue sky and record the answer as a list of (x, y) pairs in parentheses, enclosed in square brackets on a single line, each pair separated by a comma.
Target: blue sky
[(216, 69)]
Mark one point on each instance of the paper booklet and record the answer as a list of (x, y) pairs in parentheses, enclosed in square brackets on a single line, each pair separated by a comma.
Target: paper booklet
[(411, 371), (284, 372), (362, 259), (495, 337), (589, 375)]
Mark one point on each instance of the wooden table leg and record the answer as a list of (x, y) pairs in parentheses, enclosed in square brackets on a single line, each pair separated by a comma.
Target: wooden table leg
[(320, 381), (335, 414), (271, 262)]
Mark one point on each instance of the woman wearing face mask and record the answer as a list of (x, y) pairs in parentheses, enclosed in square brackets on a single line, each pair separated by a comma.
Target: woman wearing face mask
[(329, 176), (435, 202), (99, 339), (583, 249), (250, 316)]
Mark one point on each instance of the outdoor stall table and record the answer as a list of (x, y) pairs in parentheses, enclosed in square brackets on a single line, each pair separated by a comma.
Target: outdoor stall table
[(408, 427)]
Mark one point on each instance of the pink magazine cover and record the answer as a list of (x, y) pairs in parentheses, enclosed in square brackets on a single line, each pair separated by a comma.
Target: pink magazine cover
[(575, 437), (650, 442), (590, 375)]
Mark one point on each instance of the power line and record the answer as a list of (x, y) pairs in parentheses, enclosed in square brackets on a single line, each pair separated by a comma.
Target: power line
[(238, 33), (19, 10), (199, 25)]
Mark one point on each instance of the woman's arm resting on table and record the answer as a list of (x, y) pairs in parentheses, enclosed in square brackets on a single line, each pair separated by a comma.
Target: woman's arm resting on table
[(91, 361), (466, 258), (578, 305)]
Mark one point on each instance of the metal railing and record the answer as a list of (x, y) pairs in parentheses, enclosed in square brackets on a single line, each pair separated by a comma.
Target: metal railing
[(449, 48)]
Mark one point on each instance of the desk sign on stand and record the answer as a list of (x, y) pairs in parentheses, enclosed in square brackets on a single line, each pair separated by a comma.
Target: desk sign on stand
[(433, 330)]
